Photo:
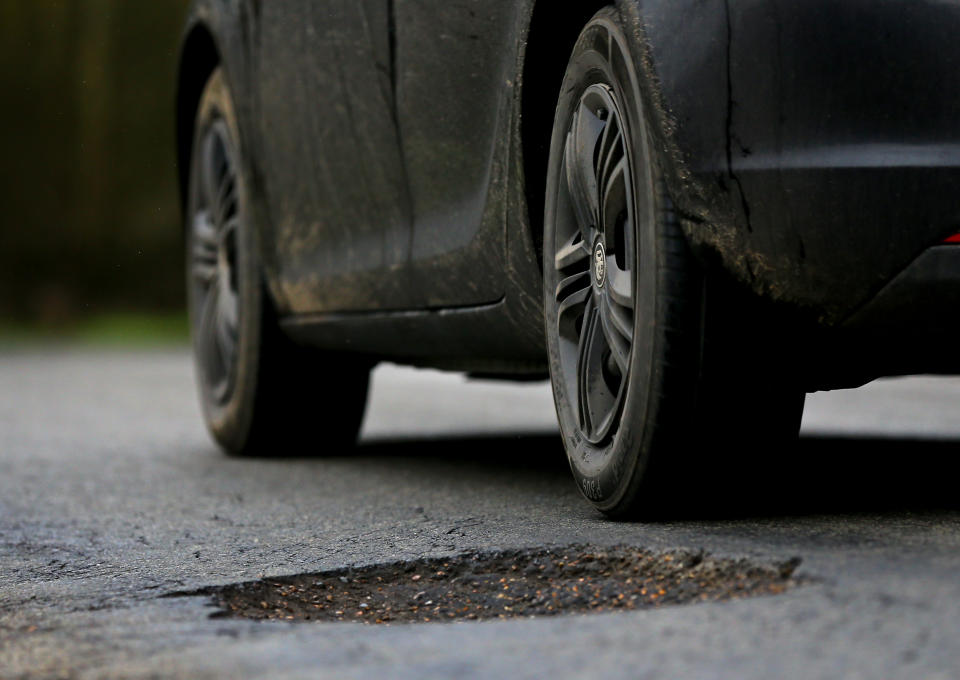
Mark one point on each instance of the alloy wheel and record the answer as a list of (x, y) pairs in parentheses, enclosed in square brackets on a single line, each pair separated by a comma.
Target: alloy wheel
[(213, 261), (595, 261)]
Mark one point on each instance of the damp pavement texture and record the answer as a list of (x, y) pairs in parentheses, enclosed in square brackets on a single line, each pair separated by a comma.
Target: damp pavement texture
[(112, 498)]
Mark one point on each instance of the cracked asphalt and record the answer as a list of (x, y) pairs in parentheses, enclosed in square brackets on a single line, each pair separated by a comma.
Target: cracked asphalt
[(111, 496)]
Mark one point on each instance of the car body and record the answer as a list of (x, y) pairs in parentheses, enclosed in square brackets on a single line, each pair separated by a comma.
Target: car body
[(397, 159)]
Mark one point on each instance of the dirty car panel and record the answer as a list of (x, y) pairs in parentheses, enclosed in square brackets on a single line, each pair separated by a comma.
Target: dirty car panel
[(810, 151)]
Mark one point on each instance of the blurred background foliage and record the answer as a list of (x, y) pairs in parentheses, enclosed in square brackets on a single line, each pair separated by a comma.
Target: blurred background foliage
[(90, 211)]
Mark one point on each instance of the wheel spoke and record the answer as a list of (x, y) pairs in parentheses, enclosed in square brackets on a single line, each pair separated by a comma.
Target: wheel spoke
[(571, 287), (205, 272), (228, 305), (226, 194), (210, 169), (228, 236), (621, 317), (225, 325), (204, 252), (618, 339), (620, 286), (573, 252), (614, 203), (610, 153), (579, 155), (582, 203), (209, 349), (585, 352), (228, 232), (573, 294)]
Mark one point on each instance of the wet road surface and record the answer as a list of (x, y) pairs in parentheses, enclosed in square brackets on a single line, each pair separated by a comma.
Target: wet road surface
[(111, 496)]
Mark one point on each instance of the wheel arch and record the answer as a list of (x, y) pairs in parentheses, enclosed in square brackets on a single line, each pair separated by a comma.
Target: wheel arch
[(199, 57), (551, 35)]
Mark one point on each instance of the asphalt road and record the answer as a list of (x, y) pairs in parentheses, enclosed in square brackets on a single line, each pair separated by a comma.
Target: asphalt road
[(111, 495)]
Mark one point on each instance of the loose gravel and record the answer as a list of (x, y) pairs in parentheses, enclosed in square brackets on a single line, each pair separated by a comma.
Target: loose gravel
[(505, 584)]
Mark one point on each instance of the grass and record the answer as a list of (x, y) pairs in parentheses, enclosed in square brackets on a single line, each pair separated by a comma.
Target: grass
[(107, 330)]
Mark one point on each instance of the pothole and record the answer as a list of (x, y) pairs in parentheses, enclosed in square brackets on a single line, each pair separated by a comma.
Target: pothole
[(506, 584)]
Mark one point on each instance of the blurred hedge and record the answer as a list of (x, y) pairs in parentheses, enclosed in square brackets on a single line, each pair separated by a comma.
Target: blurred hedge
[(88, 189)]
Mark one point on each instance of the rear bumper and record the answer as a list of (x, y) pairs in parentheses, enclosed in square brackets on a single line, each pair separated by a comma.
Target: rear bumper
[(911, 326), (819, 141)]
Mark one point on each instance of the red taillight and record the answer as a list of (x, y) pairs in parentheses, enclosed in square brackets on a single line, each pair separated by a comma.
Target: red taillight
[(952, 239)]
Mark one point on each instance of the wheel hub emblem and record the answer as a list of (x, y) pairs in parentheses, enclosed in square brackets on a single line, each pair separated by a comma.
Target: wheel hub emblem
[(599, 264)]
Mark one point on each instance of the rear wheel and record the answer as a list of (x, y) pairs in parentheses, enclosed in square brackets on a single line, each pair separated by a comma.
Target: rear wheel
[(649, 382), (260, 393)]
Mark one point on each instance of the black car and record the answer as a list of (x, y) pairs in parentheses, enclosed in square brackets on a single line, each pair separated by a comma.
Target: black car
[(689, 213)]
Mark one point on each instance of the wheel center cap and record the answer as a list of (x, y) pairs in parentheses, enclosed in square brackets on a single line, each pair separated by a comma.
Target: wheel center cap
[(599, 264)]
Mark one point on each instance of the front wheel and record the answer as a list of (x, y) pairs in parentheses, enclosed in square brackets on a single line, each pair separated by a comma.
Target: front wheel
[(640, 411), (260, 393)]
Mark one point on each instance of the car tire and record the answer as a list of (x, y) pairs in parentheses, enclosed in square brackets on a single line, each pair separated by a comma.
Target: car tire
[(649, 381), (261, 394)]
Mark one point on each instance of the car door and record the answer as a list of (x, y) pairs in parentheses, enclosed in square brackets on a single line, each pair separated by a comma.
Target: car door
[(337, 229), (455, 66)]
